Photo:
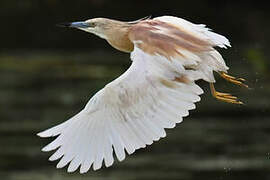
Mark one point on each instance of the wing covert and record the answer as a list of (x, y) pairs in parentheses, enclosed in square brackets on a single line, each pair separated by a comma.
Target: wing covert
[(188, 46)]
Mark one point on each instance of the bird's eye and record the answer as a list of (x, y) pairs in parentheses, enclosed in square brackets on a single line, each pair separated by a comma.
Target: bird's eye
[(92, 24)]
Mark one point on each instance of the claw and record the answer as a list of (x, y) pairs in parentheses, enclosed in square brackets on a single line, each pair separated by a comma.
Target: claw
[(234, 80), (223, 94), (225, 97), (241, 79)]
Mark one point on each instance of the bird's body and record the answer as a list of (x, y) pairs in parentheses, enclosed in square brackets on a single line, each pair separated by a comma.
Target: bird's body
[(168, 55)]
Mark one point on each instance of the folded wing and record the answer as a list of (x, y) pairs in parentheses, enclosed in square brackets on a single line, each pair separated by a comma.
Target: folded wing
[(186, 45)]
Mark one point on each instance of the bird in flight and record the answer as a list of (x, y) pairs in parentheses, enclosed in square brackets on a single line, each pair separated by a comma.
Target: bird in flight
[(168, 55)]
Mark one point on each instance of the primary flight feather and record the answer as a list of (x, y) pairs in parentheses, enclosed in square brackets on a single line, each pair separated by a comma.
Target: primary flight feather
[(168, 55)]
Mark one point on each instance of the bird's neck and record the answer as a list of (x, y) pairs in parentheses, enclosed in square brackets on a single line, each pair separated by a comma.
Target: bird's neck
[(117, 37)]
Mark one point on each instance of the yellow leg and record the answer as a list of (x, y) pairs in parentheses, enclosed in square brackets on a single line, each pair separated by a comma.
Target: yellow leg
[(234, 80), (226, 97)]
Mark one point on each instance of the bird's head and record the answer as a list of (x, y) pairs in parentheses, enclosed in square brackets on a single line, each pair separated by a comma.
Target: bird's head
[(97, 26)]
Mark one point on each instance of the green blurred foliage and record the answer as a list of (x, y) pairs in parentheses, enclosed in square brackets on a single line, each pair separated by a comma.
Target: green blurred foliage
[(258, 60)]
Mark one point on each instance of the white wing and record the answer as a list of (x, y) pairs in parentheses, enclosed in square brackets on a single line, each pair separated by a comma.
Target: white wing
[(127, 114)]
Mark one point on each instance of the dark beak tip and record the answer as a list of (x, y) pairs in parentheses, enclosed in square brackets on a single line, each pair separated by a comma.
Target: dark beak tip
[(64, 25)]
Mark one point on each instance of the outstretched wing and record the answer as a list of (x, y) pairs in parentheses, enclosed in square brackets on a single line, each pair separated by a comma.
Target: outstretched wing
[(127, 114)]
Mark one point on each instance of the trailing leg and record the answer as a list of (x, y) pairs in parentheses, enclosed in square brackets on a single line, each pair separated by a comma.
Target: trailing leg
[(234, 80), (225, 97)]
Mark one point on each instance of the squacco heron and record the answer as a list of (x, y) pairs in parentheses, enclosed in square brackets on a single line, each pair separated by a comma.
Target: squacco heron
[(168, 55)]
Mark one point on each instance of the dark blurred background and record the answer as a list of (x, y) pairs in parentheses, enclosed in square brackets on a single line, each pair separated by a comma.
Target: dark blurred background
[(47, 74)]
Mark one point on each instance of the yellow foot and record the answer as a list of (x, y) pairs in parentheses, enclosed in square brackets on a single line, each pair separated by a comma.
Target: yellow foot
[(234, 80), (225, 97)]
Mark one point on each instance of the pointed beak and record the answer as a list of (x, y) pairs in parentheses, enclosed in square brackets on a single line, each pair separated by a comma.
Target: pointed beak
[(79, 25)]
